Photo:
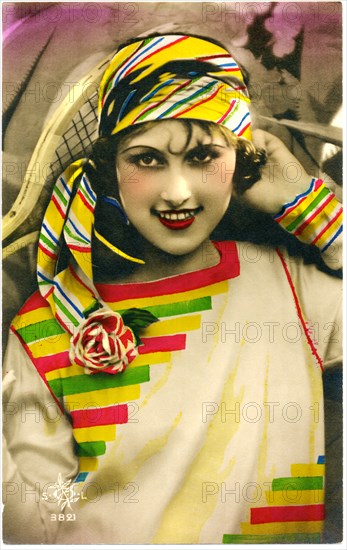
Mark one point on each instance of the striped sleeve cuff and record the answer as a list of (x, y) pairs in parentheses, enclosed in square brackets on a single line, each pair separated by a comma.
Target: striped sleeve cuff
[(314, 217)]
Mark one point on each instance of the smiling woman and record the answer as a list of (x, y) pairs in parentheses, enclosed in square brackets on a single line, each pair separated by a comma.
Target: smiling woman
[(182, 371)]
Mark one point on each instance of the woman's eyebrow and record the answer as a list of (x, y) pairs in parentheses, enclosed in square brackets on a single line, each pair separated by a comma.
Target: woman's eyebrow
[(188, 150), (139, 147)]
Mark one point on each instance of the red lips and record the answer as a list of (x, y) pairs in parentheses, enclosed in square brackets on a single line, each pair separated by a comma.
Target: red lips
[(177, 224)]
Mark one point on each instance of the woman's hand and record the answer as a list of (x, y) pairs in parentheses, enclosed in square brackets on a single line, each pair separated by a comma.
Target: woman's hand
[(283, 177)]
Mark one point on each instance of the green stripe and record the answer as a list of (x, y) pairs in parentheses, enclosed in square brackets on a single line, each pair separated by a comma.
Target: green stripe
[(47, 241), (272, 539), (60, 195), (145, 115), (87, 196), (179, 308), (75, 237), (91, 448), (310, 207), (83, 383), (297, 483), (42, 329), (233, 112), (65, 310)]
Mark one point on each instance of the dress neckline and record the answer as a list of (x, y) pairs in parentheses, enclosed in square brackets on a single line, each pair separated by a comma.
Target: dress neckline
[(228, 267)]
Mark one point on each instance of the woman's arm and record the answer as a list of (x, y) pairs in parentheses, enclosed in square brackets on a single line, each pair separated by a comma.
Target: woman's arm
[(37, 446), (301, 204)]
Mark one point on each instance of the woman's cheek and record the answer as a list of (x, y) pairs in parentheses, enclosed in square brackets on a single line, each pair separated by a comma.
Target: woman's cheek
[(136, 188)]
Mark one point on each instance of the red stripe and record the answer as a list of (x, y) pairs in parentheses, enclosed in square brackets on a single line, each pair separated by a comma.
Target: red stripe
[(27, 349), (117, 70), (163, 343), (61, 212), (317, 184), (274, 514), (52, 362), (100, 416), (74, 274), (46, 251), (85, 202), (80, 248), (228, 268), (131, 69), (197, 104), (327, 226), (313, 215), (299, 312), (228, 111), (36, 301), (245, 128), (162, 101)]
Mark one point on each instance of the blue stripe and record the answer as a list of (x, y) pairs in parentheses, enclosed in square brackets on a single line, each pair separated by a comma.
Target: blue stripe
[(86, 239), (81, 477), (190, 97), (297, 198), (332, 240), (135, 58), (151, 94), (228, 65), (125, 103), (321, 459), (88, 188), (62, 293), (237, 127), (63, 182), (50, 233)]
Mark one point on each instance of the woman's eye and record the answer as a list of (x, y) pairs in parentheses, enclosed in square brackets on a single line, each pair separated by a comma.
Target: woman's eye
[(147, 160), (201, 156)]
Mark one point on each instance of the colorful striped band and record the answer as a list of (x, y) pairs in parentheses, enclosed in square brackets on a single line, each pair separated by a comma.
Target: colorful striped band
[(314, 217), (173, 77)]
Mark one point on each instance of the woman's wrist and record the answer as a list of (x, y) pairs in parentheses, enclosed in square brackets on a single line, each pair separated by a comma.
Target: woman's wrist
[(314, 216)]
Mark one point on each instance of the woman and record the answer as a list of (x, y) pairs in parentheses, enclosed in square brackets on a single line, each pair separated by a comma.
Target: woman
[(175, 381)]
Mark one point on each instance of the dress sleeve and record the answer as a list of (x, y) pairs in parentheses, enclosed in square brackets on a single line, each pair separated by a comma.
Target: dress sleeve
[(320, 298), (37, 446)]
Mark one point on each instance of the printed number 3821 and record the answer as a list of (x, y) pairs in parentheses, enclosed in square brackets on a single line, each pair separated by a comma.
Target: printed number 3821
[(63, 517)]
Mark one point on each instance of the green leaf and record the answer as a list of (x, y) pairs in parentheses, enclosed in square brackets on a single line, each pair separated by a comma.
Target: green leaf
[(137, 319)]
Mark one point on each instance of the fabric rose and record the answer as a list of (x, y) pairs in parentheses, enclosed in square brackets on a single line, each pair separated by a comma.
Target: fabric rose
[(103, 343)]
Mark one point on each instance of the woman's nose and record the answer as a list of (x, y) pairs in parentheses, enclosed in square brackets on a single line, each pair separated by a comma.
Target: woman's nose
[(177, 190)]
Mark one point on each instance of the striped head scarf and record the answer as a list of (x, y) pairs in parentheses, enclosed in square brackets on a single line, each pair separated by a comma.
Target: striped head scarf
[(173, 77), (165, 77)]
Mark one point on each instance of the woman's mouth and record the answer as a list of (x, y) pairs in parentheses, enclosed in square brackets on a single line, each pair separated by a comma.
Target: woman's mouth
[(177, 219)]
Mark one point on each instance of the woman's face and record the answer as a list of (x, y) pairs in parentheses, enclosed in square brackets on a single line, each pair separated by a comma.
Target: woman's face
[(175, 193)]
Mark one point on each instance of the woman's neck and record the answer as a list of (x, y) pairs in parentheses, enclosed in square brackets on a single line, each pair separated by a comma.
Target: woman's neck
[(160, 265)]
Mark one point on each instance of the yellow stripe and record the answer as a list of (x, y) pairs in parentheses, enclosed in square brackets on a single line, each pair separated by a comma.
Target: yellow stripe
[(320, 220), (278, 528), (287, 220), (116, 250), (95, 433), (74, 288), (88, 463), (285, 498), (332, 229), (73, 370), (31, 317), (151, 359), (209, 290), (304, 470), (102, 398), (173, 326), (54, 344)]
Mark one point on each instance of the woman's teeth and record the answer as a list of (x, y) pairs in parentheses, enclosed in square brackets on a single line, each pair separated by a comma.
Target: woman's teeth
[(172, 216)]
